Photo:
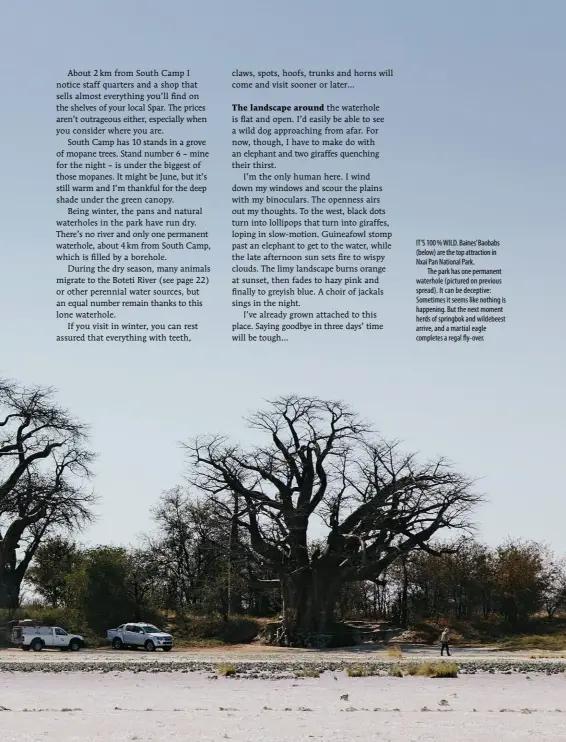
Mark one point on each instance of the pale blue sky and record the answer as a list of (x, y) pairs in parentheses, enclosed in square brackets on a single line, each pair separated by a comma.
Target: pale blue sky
[(472, 146)]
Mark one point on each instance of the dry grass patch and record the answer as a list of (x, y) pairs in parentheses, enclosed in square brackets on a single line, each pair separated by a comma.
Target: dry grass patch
[(308, 672), (227, 670), (547, 657), (551, 642), (395, 652), (434, 669), (395, 671), (359, 671)]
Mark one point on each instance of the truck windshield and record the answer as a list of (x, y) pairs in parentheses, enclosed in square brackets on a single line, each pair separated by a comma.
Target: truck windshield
[(150, 629)]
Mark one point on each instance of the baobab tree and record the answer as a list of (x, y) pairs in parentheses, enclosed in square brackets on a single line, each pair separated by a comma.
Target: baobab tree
[(44, 462), (325, 502)]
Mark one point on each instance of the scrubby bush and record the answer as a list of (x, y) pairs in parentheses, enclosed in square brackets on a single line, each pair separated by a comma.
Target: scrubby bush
[(227, 670), (358, 671), (434, 669), (308, 672), (394, 652), (395, 671)]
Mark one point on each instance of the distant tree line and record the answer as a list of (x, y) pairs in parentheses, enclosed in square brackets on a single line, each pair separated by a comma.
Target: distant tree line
[(468, 582)]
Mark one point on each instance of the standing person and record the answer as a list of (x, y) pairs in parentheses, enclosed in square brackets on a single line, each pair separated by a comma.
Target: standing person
[(444, 643)]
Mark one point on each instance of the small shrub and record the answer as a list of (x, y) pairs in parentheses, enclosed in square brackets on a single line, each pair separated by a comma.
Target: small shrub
[(395, 671), (227, 670), (434, 669), (395, 652), (354, 672), (446, 670), (308, 672), (358, 671)]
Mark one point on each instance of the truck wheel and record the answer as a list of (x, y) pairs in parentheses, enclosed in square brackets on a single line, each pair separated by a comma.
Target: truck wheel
[(74, 645), (37, 645), (149, 646), (117, 643)]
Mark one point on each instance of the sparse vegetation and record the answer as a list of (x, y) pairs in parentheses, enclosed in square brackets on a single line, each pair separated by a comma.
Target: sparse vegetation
[(395, 652), (433, 669), (308, 672), (395, 671), (227, 670), (359, 671), (546, 656), (550, 642)]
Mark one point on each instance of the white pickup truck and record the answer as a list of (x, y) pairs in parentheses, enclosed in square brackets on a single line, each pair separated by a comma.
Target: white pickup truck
[(139, 635), (45, 637)]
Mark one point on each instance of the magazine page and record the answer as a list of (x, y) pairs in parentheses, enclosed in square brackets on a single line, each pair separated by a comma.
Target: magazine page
[(282, 370)]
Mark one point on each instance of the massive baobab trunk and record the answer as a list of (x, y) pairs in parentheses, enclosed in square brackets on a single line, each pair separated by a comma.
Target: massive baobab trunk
[(404, 595), (309, 600), (235, 602), (10, 585), (11, 571)]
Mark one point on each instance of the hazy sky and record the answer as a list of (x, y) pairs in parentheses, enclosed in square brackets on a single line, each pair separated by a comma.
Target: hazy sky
[(473, 145)]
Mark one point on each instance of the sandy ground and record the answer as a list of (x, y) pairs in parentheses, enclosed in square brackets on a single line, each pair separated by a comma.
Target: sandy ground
[(170, 706)]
